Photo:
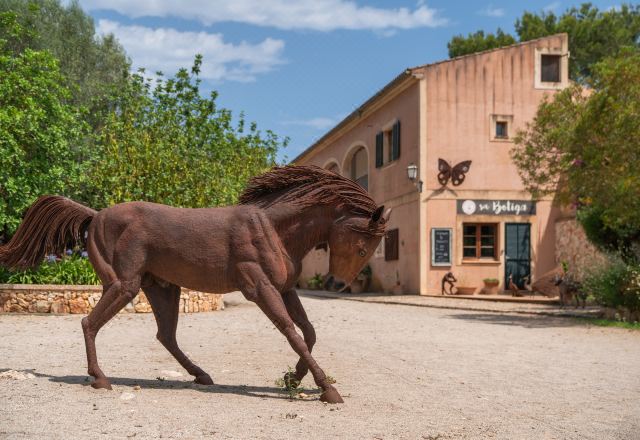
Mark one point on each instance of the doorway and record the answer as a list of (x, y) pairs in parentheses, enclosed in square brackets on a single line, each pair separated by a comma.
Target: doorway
[(517, 253)]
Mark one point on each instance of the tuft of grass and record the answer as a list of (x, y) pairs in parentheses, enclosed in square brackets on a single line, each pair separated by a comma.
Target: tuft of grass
[(292, 391), (611, 323)]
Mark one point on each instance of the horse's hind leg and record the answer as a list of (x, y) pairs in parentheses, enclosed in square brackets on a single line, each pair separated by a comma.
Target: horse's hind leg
[(114, 297), (165, 302)]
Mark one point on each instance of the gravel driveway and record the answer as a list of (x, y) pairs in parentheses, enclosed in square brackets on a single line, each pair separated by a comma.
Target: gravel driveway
[(404, 372)]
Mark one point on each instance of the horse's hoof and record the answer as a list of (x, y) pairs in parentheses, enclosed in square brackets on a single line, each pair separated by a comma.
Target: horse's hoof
[(291, 381), (204, 379), (101, 383), (331, 395)]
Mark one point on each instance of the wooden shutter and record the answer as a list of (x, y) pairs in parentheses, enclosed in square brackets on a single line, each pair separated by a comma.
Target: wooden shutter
[(391, 245), (395, 141), (379, 158)]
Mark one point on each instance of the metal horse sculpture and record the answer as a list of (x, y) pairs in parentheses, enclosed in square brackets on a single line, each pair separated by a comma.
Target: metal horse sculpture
[(255, 247)]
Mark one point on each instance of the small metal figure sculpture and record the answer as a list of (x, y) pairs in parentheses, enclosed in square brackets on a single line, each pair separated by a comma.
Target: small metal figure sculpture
[(528, 285), (456, 173), (513, 287), (449, 279), (570, 288), (256, 247)]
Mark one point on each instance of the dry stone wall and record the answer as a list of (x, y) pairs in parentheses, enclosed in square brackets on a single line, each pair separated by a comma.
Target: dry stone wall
[(38, 298), (573, 247)]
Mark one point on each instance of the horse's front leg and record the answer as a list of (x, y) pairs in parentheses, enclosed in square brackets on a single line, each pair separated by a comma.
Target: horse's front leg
[(270, 301), (299, 317)]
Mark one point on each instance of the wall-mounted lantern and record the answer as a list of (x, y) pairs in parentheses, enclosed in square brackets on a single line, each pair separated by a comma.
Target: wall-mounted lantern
[(412, 174)]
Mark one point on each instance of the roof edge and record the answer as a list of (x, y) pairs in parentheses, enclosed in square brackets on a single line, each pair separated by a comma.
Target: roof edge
[(484, 52), (405, 74)]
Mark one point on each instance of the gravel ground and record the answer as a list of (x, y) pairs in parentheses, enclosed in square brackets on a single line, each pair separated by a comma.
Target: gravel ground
[(404, 372)]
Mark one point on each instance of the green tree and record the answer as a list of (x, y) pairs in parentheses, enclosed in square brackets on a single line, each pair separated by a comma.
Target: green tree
[(593, 34), (584, 146), (92, 66), (167, 143), (38, 128), (477, 42)]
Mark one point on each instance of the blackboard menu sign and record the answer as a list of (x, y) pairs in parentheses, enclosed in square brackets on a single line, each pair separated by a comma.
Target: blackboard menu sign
[(441, 246)]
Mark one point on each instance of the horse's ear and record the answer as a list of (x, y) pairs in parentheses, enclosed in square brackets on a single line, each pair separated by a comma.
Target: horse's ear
[(386, 215), (377, 214)]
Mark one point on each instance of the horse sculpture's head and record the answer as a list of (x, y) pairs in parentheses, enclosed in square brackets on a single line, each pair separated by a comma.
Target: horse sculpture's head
[(352, 241), (357, 223)]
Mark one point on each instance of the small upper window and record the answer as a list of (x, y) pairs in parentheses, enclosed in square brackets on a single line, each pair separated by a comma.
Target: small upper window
[(501, 130), (550, 68)]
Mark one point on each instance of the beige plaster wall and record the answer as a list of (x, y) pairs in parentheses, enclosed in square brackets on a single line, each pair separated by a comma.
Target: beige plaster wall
[(387, 185), (462, 97)]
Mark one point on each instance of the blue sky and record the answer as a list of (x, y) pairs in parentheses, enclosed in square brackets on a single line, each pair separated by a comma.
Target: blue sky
[(299, 67)]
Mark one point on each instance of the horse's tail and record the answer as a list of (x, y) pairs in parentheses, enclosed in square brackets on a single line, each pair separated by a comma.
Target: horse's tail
[(49, 225)]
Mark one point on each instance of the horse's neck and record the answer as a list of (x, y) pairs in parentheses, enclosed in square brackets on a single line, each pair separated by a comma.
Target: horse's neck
[(300, 230)]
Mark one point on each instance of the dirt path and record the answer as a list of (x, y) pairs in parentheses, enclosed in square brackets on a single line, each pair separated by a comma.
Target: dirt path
[(405, 372)]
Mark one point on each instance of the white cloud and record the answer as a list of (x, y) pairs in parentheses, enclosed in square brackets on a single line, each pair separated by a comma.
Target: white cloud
[(491, 11), (320, 15), (551, 7), (167, 50), (319, 123)]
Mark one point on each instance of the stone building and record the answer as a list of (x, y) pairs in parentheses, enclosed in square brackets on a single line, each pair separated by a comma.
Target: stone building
[(475, 220)]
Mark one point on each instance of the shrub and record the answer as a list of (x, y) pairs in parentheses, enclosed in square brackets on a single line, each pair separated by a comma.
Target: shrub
[(615, 285), (69, 270), (315, 282)]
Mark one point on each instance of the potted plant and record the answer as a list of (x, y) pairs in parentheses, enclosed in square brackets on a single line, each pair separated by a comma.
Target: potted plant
[(490, 286), (361, 282)]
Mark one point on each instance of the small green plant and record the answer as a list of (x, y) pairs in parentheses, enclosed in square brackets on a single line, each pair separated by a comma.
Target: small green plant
[(315, 282), (292, 387), (490, 280)]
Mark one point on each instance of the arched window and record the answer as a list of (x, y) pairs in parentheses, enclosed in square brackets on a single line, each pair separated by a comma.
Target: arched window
[(360, 168), (333, 167)]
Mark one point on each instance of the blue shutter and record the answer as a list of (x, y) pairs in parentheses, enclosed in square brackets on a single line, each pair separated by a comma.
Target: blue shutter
[(379, 158)]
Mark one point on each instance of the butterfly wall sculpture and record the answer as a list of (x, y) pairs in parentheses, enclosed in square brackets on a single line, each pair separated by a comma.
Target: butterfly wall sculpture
[(456, 174)]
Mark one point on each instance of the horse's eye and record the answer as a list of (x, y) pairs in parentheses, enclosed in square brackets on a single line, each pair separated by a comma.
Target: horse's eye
[(362, 253)]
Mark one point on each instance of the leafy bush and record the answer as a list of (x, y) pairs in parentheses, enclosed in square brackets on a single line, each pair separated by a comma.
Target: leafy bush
[(615, 285), (69, 270)]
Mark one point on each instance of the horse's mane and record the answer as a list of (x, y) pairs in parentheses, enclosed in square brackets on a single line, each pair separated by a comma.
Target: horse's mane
[(308, 185)]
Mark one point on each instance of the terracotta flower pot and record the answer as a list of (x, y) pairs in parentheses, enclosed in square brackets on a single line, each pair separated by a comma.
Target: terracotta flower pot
[(466, 290), (490, 287)]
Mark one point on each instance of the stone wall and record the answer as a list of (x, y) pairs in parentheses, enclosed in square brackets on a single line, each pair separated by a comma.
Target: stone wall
[(49, 298), (573, 247)]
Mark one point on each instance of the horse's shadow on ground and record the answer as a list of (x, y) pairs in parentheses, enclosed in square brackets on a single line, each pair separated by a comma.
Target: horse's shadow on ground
[(268, 392)]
